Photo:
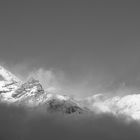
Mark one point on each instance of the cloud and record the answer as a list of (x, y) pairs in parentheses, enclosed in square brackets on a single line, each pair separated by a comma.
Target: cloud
[(77, 85), (17, 123), (46, 77), (20, 123)]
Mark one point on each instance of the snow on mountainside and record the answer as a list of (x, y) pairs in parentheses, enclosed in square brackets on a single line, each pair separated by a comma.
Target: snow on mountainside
[(9, 84), (32, 94), (8, 76), (128, 105)]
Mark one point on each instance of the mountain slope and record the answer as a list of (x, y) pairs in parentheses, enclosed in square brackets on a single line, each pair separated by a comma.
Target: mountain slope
[(128, 105), (7, 75), (32, 94), (8, 85)]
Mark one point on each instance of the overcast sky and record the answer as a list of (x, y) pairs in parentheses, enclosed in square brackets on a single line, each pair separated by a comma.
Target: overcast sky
[(96, 41)]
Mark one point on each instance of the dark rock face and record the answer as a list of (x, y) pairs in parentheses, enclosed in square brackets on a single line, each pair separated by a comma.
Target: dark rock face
[(67, 107)]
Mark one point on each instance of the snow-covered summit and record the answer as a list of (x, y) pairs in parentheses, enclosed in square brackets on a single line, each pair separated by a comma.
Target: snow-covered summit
[(8, 85), (7, 75), (32, 94), (128, 105)]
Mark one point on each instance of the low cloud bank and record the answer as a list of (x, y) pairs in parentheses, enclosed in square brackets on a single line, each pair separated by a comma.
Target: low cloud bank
[(18, 123), (79, 86)]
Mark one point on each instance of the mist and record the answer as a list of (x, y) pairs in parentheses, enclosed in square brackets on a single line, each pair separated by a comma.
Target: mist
[(82, 85), (78, 48), (19, 123)]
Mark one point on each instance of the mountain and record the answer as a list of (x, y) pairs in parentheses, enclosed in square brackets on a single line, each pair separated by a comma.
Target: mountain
[(128, 105), (8, 85), (7, 75), (32, 94)]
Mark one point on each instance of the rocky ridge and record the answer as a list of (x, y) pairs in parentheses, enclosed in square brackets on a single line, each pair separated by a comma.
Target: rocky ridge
[(32, 94)]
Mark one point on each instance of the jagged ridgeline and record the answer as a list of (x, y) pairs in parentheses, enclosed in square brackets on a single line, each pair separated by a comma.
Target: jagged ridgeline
[(32, 94)]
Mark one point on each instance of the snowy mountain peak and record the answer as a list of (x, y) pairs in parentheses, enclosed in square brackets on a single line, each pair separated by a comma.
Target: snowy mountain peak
[(32, 94), (128, 105), (29, 88), (8, 84), (7, 75)]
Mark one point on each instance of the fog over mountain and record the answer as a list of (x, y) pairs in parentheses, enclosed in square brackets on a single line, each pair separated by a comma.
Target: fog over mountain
[(69, 70), (28, 111)]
